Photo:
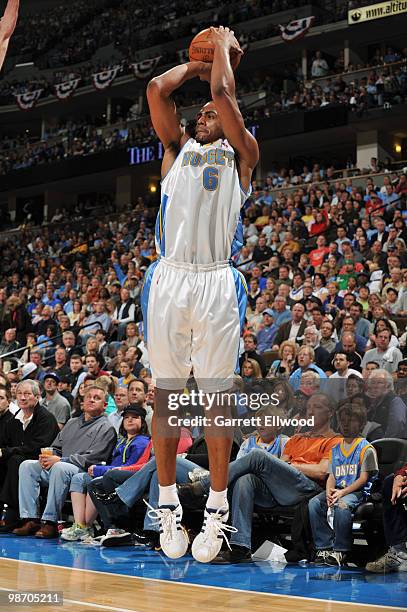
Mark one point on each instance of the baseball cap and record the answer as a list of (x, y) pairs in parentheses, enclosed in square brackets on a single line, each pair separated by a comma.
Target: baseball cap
[(52, 375), (134, 410), (269, 312), (27, 369)]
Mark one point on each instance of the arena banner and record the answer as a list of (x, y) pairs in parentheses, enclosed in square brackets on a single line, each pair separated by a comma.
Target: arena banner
[(377, 11), (296, 29), (27, 101), (65, 90), (102, 80), (144, 69)]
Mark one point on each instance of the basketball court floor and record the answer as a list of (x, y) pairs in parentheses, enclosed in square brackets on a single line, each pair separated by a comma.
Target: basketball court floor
[(133, 579)]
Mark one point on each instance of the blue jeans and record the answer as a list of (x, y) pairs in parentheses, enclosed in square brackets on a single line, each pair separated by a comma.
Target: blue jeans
[(80, 482), (340, 538), (57, 479), (134, 488), (262, 479)]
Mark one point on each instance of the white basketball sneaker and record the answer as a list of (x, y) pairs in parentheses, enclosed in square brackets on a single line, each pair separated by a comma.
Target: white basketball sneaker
[(173, 537), (208, 542)]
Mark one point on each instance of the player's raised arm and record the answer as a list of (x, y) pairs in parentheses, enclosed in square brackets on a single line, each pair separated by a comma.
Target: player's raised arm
[(7, 27), (223, 94), (162, 107)]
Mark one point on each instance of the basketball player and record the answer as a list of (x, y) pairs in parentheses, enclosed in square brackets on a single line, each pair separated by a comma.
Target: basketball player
[(7, 26), (193, 300)]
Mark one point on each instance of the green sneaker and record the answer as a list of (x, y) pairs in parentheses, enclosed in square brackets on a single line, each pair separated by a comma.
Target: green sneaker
[(76, 532)]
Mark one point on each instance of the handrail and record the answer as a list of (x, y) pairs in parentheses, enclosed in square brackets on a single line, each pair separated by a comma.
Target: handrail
[(29, 347), (292, 188), (346, 73)]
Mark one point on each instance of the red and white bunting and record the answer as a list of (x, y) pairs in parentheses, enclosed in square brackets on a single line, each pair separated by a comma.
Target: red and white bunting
[(65, 90), (145, 69), (27, 101), (102, 80), (296, 29)]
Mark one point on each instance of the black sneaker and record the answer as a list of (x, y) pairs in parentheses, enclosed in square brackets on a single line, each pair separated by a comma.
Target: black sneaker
[(238, 554), (153, 539), (117, 537), (141, 539), (192, 496), (336, 559)]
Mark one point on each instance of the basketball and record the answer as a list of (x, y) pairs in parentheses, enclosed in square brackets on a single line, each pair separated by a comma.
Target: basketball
[(202, 49)]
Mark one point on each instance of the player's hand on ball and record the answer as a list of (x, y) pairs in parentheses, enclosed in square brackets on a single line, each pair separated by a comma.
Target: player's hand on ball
[(225, 36)]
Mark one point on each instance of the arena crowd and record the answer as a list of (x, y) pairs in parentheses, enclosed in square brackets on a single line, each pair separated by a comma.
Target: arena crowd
[(325, 328)]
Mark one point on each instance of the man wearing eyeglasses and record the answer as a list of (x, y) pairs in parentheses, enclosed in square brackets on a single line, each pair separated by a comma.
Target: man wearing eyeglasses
[(32, 428)]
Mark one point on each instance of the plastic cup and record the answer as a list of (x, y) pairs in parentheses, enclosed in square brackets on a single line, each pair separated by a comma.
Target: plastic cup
[(48, 450)]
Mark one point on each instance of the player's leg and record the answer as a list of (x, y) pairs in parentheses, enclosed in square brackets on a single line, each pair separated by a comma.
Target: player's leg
[(168, 343), (219, 315)]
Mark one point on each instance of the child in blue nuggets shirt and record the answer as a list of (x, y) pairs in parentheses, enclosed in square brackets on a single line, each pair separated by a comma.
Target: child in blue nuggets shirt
[(267, 436), (352, 468), (132, 442)]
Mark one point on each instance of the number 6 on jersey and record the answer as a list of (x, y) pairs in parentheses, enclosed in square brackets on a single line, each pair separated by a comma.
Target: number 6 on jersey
[(210, 178)]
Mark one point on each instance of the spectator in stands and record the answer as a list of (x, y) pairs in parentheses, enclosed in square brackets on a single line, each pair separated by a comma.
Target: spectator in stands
[(319, 66), (256, 319), (384, 406), (283, 366), (121, 399), (333, 303), (267, 333), (281, 314), (250, 352), (306, 361), (351, 469), (84, 441), (311, 338), (327, 336), (60, 362), (348, 346), (5, 416), (93, 363), (293, 329), (362, 326), (132, 442), (394, 493), (348, 327), (98, 316), (124, 314), (9, 342), (31, 429), (53, 401), (386, 356)]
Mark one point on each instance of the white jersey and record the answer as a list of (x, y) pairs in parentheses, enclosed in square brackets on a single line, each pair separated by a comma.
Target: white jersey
[(201, 197)]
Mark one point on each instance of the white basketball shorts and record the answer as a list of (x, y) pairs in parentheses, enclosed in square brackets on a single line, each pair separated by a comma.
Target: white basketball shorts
[(193, 316)]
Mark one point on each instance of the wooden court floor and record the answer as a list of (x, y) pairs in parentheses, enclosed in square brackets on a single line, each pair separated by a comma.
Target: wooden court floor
[(86, 590)]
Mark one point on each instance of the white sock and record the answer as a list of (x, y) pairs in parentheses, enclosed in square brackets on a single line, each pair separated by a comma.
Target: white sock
[(217, 499), (168, 496)]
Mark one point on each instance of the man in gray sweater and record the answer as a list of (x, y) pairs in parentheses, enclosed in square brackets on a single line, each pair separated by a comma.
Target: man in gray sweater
[(84, 441)]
